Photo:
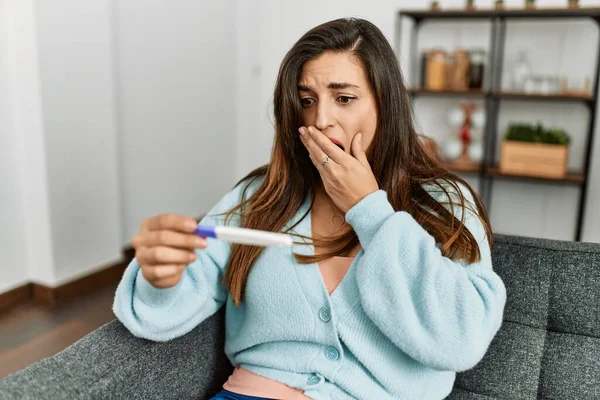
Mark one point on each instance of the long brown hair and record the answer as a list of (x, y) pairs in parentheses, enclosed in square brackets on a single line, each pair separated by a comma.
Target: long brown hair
[(402, 166)]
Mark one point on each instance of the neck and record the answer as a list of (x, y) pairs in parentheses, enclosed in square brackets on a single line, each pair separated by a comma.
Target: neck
[(322, 197)]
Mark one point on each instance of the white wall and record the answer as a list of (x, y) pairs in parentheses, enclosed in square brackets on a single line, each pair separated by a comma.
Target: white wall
[(25, 240), (75, 64), (253, 107), (591, 228), (117, 111), (545, 210), (12, 270), (176, 99)]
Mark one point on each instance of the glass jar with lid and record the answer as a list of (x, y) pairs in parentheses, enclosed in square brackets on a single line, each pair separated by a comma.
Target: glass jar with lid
[(436, 70)]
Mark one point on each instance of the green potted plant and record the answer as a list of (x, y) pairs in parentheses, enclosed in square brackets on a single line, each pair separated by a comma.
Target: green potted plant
[(435, 6), (535, 151), (499, 4), (529, 4), (573, 3), (537, 134), (470, 5)]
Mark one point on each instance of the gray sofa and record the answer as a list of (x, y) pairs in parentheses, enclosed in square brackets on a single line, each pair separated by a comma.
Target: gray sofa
[(547, 348)]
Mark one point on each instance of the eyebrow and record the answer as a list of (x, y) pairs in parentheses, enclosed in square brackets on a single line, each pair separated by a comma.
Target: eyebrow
[(332, 85)]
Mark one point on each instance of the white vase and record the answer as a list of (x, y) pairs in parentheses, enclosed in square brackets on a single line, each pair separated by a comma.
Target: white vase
[(452, 149), (521, 71), (455, 117), (478, 119), (475, 152)]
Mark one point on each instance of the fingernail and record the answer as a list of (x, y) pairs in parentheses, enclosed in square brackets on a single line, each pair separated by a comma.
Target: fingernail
[(310, 130), (200, 241), (191, 225), (192, 257), (360, 138), (301, 130)]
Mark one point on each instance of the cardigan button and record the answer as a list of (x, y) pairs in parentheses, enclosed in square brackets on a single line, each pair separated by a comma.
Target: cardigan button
[(314, 380), (325, 314), (332, 354)]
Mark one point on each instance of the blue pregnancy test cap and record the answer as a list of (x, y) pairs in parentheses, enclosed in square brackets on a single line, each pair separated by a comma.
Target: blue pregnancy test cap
[(206, 231)]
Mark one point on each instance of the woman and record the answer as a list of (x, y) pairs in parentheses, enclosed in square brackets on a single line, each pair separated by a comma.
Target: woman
[(388, 290)]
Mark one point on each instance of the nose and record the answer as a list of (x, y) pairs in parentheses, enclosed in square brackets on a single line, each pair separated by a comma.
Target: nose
[(324, 116)]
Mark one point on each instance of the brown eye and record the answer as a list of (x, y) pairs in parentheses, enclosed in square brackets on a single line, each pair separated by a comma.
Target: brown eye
[(306, 102), (346, 99)]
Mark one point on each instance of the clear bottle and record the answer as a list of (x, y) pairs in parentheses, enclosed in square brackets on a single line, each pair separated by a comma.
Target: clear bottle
[(477, 69), (521, 71)]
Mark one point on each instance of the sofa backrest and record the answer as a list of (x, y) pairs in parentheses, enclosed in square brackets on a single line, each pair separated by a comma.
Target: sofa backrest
[(549, 344)]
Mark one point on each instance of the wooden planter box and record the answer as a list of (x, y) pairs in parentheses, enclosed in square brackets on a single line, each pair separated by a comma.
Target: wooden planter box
[(534, 159)]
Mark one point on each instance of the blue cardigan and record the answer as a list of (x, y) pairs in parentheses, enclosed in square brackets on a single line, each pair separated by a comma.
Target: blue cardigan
[(401, 323)]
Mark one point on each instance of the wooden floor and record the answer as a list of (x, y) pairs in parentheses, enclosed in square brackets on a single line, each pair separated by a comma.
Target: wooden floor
[(31, 332)]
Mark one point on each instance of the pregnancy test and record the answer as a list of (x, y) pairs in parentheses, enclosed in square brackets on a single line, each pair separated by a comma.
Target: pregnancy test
[(245, 236)]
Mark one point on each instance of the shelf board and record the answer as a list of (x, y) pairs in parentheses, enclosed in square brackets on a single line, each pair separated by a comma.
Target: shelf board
[(542, 97), (572, 177), (468, 167), (504, 95), (454, 93), (593, 12), (476, 168)]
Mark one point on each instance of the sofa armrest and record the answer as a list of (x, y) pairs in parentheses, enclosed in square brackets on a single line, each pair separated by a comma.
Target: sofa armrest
[(111, 363)]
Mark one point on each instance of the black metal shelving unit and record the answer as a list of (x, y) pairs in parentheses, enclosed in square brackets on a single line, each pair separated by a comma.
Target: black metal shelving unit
[(492, 94)]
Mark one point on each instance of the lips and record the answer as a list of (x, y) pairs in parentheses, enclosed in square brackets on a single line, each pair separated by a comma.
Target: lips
[(337, 143)]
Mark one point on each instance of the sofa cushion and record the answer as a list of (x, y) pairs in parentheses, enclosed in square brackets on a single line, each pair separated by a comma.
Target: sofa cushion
[(549, 344)]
